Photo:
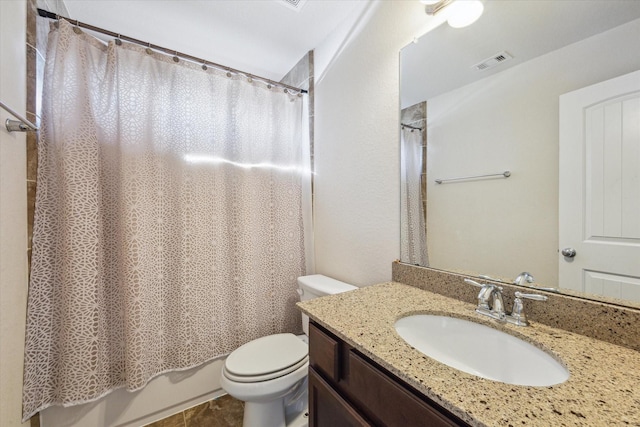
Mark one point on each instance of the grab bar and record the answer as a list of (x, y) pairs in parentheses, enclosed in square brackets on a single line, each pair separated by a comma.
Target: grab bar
[(505, 174), (20, 125)]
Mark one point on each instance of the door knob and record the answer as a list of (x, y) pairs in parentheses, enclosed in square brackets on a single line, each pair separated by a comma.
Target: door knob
[(569, 252)]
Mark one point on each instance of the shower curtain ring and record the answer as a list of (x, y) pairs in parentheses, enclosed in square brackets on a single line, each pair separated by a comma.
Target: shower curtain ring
[(148, 49), (175, 57), (118, 41), (204, 65)]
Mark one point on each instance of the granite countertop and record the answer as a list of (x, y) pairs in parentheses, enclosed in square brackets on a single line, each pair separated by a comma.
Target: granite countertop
[(603, 388)]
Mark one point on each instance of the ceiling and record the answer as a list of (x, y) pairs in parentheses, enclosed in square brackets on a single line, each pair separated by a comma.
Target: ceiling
[(262, 37), (443, 58)]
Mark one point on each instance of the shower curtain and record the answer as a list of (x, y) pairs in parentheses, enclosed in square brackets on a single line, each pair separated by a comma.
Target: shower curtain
[(413, 245), (171, 209)]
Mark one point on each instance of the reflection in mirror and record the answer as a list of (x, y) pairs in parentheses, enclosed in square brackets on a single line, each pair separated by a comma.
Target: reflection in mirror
[(489, 98), (413, 248)]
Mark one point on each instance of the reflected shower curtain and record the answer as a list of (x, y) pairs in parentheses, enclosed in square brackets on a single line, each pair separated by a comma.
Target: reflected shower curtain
[(413, 245), (169, 218)]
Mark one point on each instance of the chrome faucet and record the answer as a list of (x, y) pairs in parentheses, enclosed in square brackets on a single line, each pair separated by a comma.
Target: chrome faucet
[(490, 301)]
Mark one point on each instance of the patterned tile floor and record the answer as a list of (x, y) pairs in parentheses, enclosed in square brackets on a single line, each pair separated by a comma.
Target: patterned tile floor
[(222, 412)]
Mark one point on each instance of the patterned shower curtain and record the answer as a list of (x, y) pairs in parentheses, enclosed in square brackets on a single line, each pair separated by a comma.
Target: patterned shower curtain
[(169, 218), (413, 238)]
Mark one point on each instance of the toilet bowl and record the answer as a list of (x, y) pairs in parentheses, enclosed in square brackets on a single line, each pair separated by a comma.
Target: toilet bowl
[(270, 373)]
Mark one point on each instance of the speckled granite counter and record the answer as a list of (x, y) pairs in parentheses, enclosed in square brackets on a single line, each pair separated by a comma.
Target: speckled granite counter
[(603, 389)]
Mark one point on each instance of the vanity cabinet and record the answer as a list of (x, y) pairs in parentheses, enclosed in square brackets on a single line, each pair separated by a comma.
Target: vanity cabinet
[(348, 389)]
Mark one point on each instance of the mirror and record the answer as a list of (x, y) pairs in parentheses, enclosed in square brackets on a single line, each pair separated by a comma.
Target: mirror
[(487, 100)]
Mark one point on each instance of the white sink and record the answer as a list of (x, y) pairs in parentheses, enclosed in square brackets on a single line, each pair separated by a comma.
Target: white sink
[(480, 350)]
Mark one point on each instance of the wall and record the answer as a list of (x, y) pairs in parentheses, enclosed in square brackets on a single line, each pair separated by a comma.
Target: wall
[(503, 227), (13, 214), (357, 198)]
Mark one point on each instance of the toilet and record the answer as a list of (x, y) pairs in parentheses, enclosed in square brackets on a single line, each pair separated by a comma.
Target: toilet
[(270, 373)]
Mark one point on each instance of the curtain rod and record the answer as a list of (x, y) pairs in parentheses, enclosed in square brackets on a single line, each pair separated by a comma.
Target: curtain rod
[(20, 125), (46, 14)]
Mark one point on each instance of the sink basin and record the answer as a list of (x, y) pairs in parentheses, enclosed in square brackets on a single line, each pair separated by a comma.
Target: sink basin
[(480, 350)]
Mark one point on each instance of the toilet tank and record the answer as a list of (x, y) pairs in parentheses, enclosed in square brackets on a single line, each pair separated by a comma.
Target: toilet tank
[(317, 285)]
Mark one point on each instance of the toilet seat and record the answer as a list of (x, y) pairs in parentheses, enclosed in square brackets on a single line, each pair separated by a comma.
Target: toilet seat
[(266, 358), (265, 377)]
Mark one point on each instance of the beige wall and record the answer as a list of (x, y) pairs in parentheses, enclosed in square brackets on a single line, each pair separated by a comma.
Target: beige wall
[(503, 227), (13, 213), (357, 187)]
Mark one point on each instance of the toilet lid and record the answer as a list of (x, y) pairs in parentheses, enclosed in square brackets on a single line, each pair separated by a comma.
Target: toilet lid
[(303, 364), (266, 355)]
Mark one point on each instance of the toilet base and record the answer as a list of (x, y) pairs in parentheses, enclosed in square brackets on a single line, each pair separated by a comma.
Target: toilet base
[(295, 413), (258, 414), (297, 405), (301, 420)]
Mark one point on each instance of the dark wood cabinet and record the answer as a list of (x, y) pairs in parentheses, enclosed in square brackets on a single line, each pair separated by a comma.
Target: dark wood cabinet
[(329, 408), (348, 389)]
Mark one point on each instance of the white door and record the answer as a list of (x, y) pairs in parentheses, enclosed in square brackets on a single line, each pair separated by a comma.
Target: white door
[(600, 188)]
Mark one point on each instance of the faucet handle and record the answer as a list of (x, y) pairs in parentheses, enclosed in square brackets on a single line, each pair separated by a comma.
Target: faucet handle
[(485, 277), (483, 298), (536, 297), (480, 285), (474, 283), (517, 316)]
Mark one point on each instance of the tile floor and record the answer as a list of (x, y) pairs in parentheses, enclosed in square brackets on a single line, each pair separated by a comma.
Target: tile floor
[(222, 412)]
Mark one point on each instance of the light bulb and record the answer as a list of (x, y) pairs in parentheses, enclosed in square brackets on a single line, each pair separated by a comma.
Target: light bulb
[(464, 12)]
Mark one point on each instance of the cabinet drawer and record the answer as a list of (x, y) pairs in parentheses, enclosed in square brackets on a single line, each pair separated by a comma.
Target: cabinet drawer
[(324, 352), (327, 408), (383, 399)]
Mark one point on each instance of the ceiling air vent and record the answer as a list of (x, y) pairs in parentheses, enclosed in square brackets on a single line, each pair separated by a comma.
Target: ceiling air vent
[(496, 59), (293, 4)]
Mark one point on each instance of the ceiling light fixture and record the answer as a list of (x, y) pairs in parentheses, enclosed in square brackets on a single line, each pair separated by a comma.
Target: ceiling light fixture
[(461, 13)]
